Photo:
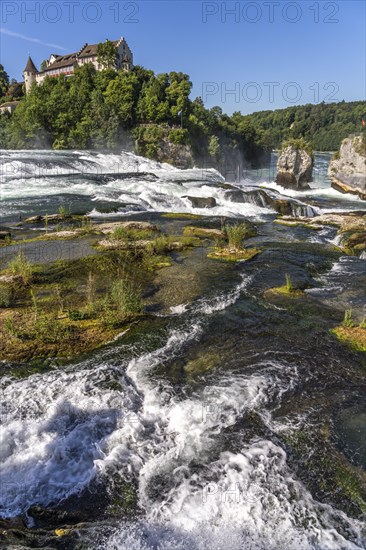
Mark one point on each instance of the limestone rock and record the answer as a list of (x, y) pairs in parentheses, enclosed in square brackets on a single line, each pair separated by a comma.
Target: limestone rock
[(294, 168), (347, 169)]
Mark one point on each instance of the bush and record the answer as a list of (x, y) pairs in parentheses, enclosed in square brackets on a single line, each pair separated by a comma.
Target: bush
[(289, 284), (20, 266), (347, 319), (298, 143), (76, 315), (126, 297), (48, 329), (6, 296), (178, 136), (235, 234)]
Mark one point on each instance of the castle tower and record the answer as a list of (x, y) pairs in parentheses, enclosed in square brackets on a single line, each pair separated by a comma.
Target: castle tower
[(29, 74)]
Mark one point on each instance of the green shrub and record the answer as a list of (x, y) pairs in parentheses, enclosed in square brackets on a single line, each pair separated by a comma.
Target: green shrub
[(347, 319), (77, 315), (159, 245), (20, 266), (123, 234), (178, 136), (48, 329), (235, 235), (125, 296), (10, 327), (6, 296), (63, 211), (289, 285), (298, 143)]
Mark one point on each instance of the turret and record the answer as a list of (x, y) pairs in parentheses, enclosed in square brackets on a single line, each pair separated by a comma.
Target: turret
[(29, 74)]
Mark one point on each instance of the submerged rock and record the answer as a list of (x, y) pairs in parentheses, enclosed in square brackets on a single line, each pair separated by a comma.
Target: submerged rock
[(203, 232), (270, 199), (140, 225), (4, 234), (347, 169), (294, 168), (351, 228), (201, 202)]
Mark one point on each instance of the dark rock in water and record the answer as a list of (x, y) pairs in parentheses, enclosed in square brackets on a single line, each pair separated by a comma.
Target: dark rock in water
[(52, 517), (347, 169), (253, 196), (4, 233), (294, 168), (201, 202), (283, 207), (259, 197)]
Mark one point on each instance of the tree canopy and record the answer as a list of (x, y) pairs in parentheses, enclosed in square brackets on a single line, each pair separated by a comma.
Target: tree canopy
[(107, 54), (4, 81), (105, 109), (324, 125)]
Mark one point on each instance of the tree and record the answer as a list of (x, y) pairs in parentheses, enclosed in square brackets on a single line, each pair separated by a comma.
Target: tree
[(107, 55), (4, 81), (44, 65), (214, 147)]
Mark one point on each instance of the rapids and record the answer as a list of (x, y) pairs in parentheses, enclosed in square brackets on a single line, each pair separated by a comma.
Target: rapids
[(194, 407)]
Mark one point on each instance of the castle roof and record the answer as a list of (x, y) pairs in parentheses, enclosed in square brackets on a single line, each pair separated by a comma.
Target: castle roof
[(69, 60), (91, 50), (62, 61), (30, 66)]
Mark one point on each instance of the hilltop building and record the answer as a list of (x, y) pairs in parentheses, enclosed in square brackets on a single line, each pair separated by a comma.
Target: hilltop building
[(8, 107), (65, 64)]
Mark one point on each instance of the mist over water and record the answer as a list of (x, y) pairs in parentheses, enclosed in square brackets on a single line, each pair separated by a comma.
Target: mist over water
[(205, 451)]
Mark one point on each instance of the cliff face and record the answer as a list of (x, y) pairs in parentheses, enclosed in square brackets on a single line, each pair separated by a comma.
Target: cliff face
[(294, 168), (347, 169)]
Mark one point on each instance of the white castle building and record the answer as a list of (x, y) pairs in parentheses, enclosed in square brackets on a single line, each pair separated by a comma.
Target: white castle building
[(65, 64)]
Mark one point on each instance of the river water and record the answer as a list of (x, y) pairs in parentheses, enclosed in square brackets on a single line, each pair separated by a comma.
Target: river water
[(197, 407)]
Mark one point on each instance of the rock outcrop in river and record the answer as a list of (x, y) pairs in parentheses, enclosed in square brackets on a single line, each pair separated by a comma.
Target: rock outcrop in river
[(347, 169), (294, 168)]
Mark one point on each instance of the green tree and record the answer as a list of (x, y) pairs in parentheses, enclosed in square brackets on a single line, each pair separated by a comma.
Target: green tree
[(107, 55), (214, 147), (4, 81)]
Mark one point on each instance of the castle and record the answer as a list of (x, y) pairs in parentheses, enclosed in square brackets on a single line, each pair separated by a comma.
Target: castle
[(65, 64)]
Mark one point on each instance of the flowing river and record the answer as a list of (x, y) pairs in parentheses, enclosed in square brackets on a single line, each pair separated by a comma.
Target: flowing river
[(228, 422)]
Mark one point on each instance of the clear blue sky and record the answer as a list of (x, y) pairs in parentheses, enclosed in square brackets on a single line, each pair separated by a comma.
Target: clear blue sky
[(257, 50)]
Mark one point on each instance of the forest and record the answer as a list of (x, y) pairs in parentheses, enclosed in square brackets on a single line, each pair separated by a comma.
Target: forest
[(109, 110), (323, 126)]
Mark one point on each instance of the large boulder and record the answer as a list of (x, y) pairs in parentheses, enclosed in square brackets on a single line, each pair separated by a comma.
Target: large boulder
[(294, 168), (347, 169)]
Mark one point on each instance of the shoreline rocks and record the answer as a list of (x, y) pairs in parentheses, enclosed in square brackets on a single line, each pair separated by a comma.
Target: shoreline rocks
[(347, 169)]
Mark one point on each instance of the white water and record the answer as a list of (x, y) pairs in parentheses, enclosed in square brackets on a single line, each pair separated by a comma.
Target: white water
[(129, 183), (65, 428)]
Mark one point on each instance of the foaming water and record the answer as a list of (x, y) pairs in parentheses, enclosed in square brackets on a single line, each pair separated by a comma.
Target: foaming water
[(63, 429), (110, 185)]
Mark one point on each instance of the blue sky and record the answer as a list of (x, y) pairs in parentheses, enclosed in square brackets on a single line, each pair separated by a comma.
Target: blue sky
[(269, 54)]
